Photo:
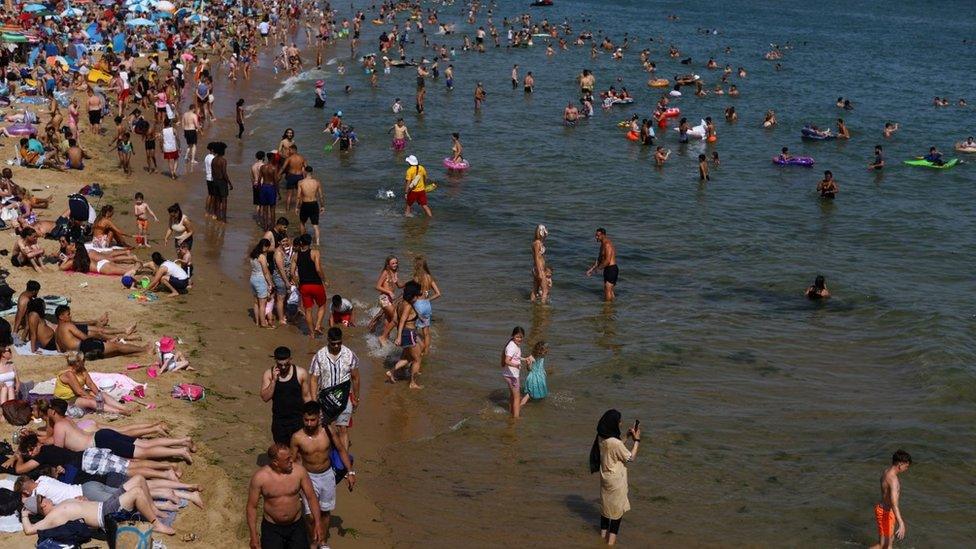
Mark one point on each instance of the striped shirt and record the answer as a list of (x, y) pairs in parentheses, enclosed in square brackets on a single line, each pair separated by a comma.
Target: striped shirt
[(333, 369)]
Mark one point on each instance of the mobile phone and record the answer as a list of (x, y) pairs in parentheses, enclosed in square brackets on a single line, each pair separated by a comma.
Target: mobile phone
[(636, 424)]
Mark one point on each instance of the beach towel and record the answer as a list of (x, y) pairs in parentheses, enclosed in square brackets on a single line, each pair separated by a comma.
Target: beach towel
[(9, 523), (24, 349), (116, 385)]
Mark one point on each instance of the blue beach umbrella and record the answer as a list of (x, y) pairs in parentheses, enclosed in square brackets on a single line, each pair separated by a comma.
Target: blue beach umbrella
[(31, 8), (161, 15), (140, 22)]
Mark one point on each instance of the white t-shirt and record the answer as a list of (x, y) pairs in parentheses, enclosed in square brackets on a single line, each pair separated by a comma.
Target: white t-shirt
[(55, 490), (208, 165), (263, 27), (513, 355), (169, 140), (333, 369), (174, 270)]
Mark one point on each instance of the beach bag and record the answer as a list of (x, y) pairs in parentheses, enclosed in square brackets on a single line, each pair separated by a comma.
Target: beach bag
[(294, 297), (188, 391), (334, 400), (16, 412)]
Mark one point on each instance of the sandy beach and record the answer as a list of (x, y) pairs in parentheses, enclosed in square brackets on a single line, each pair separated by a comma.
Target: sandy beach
[(228, 352)]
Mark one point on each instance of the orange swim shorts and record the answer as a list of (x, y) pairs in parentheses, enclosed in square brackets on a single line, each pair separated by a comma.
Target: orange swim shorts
[(143, 224), (885, 519)]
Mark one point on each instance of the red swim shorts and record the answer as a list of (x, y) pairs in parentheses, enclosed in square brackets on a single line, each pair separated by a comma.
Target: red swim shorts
[(419, 197), (312, 293), (886, 521), (173, 155)]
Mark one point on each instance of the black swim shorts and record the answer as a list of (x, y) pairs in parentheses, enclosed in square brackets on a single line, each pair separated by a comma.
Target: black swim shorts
[(309, 211), (610, 274), (120, 445), (92, 348)]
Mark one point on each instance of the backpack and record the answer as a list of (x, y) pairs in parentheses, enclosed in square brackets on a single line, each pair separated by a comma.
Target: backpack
[(189, 391)]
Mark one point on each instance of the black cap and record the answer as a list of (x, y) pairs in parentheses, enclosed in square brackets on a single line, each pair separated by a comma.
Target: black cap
[(282, 353)]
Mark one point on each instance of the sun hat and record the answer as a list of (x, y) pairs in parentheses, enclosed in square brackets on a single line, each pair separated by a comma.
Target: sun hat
[(167, 344), (412, 160)]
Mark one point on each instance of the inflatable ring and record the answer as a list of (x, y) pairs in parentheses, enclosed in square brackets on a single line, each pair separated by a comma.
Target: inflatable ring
[(795, 161), (450, 164), (663, 122), (632, 135), (673, 112), (961, 147), (712, 139), (98, 77), (659, 83)]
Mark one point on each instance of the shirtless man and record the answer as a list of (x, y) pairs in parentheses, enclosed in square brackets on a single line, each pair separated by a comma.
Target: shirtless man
[(387, 284), (293, 168), (310, 203), (94, 103), (92, 512), (887, 513), (68, 435), (607, 260), (191, 129), (570, 114), (400, 135), (312, 445), (71, 338), (256, 181), (280, 483), (268, 178)]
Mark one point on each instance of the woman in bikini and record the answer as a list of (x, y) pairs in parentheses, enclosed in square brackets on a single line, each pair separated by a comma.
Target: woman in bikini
[(540, 286), (179, 227), (81, 262), (9, 382), (407, 336), (104, 232), (428, 292), (387, 285)]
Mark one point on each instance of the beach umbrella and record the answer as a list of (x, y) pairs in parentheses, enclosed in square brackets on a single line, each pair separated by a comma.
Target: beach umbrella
[(165, 5), (161, 15), (140, 22), (138, 8), (197, 18), (183, 12), (72, 12), (31, 8)]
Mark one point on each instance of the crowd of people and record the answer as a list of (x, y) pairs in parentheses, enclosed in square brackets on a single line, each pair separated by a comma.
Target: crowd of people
[(112, 62)]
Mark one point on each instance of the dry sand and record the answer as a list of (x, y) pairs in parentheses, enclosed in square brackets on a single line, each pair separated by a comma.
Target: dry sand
[(228, 351)]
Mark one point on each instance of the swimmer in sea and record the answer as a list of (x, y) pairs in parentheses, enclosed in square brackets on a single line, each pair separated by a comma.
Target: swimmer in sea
[(529, 84), (887, 513), (890, 129), (606, 260), (817, 290), (456, 148), (784, 154), (842, 131), (661, 156), (715, 159), (703, 168), (400, 135), (878, 159), (570, 114), (769, 120), (840, 103), (828, 187), (479, 96), (730, 115)]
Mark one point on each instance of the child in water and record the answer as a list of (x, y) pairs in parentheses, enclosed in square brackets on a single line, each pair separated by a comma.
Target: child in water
[(536, 387)]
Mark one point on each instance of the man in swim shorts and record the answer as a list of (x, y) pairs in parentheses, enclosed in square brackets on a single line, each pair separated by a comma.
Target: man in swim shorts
[(293, 169), (887, 513), (607, 260), (280, 483), (71, 337), (95, 514), (313, 446), (311, 202)]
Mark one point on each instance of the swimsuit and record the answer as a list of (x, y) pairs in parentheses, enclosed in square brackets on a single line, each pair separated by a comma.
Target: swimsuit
[(610, 273), (309, 211), (885, 518), (292, 179), (120, 445)]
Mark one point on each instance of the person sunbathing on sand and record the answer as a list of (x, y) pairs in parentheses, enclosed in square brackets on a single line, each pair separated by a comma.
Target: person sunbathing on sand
[(81, 262), (71, 338), (95, 514)]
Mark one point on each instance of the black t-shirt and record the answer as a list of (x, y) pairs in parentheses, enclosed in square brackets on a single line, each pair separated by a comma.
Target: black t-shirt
[(52, 455)]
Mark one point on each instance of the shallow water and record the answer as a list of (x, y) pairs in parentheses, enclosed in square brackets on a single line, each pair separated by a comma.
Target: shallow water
[(763, 414)]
